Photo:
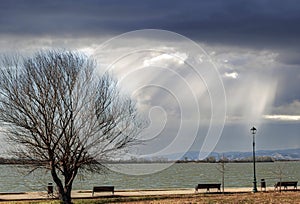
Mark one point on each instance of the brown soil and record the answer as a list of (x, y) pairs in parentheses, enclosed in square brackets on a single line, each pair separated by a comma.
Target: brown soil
[(233, 198)]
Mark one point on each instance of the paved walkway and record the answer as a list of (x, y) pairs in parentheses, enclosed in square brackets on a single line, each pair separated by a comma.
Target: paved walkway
[(88, 194)]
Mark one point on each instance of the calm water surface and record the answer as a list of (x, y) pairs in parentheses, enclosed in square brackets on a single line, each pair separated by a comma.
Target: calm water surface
[(14, 178)]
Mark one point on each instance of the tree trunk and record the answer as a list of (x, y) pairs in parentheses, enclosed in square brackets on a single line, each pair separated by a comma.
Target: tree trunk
[(65, 195)]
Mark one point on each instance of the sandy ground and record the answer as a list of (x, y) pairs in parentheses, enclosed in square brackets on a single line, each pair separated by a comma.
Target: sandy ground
[(88, 194)]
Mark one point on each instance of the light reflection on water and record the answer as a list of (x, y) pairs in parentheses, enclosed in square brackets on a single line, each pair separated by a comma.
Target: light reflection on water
[(14, 179)]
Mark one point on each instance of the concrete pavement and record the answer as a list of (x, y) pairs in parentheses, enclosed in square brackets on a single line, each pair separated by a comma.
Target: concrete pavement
[(88, 193)]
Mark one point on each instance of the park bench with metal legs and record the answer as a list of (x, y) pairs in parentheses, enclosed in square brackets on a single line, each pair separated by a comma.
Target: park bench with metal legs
[(208, 186), (103, 189), (285, 184)]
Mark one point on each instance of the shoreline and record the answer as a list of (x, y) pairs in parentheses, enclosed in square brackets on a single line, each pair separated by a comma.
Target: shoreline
[(87, 194)]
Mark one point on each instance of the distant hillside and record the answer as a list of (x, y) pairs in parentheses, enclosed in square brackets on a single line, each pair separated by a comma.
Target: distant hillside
[(286, 154), (261, 155)]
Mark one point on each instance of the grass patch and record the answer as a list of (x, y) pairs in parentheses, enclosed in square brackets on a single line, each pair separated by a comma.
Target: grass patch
[(201, 198)]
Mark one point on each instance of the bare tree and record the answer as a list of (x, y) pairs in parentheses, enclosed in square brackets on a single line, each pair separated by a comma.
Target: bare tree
[(222, 170), (57, 113), (279, 172)]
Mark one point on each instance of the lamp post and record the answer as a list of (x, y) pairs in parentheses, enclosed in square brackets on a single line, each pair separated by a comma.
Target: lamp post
[(253, 131)]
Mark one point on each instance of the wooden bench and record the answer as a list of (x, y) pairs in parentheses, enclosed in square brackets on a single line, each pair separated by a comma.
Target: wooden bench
[(103, 189), (208, 186), (285, 184)]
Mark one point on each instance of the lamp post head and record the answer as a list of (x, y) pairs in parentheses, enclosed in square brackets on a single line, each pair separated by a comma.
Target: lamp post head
[(253, 130)]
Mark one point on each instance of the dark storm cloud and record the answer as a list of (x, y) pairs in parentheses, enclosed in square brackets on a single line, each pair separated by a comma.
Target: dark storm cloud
[(259, 24), (273, 22)]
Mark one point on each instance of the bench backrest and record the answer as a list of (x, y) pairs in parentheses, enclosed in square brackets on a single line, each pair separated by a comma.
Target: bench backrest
[(287, 183), (103, 188), (209, 185)]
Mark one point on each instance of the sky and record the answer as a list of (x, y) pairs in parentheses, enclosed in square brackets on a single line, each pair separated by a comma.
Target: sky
[(202, 72)]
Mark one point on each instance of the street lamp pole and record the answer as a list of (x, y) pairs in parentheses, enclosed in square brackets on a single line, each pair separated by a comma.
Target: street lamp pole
[(253, 131)]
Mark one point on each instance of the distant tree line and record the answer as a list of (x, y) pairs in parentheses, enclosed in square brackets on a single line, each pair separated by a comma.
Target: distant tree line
[(213, 159), (133, 160), (17, 161)]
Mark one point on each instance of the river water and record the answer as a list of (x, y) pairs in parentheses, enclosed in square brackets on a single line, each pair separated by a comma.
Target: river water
[(182, 175)]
